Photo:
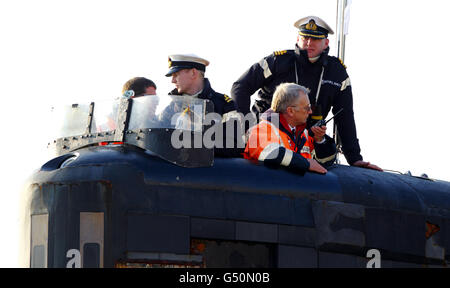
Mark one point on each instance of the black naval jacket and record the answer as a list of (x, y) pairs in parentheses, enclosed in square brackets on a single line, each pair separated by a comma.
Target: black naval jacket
[(280, 67), (222, 105)]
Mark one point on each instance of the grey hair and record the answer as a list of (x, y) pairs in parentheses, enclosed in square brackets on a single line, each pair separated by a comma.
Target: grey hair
[(285, 95)]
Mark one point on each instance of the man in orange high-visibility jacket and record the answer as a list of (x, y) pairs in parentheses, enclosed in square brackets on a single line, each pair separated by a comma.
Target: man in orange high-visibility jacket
[(281, 138)]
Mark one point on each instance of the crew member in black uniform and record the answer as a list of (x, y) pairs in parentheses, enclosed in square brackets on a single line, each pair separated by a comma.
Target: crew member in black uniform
[(308, 65), (188, 75)]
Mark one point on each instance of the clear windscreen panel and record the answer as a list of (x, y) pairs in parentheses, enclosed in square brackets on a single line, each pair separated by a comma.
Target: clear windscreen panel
[(170, 112), (69, 120), (73, 120), (152, 111), (105, 116)]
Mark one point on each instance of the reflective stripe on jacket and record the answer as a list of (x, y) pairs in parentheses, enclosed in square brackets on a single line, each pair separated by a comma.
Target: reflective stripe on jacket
[(268, 143)]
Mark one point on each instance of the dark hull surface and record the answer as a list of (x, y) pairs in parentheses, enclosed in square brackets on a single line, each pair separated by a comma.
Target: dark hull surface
[(120, 206)]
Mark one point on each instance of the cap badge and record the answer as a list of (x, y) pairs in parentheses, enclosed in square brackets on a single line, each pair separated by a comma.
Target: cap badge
[(170, 63), (311, 25)]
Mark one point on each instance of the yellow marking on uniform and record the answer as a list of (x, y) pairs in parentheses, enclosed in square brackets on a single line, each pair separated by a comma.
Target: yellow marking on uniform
[(279, 53), (187, 110), (342, 62), (228, 99)]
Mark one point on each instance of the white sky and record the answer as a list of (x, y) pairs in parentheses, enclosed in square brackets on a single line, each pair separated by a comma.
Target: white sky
[(81, 51)]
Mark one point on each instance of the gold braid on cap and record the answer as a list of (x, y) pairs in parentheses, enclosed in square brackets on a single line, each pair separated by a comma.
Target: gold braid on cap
[(311, 35)]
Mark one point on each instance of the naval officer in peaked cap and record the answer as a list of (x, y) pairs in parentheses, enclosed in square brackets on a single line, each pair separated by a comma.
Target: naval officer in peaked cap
[(186, 61), (313, 26), (308, 65), (188, 75)]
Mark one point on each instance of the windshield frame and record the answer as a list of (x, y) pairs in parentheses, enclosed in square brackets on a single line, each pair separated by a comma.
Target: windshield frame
[(153, 138)]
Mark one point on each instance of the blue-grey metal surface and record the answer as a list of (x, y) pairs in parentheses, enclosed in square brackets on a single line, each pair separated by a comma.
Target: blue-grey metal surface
[(152, 206)]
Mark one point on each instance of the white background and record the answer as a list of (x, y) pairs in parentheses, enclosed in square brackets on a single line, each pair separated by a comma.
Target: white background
[(80, 51)]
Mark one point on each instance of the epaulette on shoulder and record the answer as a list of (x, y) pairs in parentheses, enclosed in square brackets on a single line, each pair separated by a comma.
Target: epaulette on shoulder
[(279, 53), (342, 63), (227, 99)]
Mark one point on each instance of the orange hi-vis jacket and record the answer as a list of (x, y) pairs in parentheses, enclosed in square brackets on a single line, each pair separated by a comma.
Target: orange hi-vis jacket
[(266, 137), (280, 146)]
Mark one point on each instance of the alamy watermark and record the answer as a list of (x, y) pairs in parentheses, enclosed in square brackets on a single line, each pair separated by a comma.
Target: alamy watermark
[(74, 256), (374, 257), (192, 130)]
